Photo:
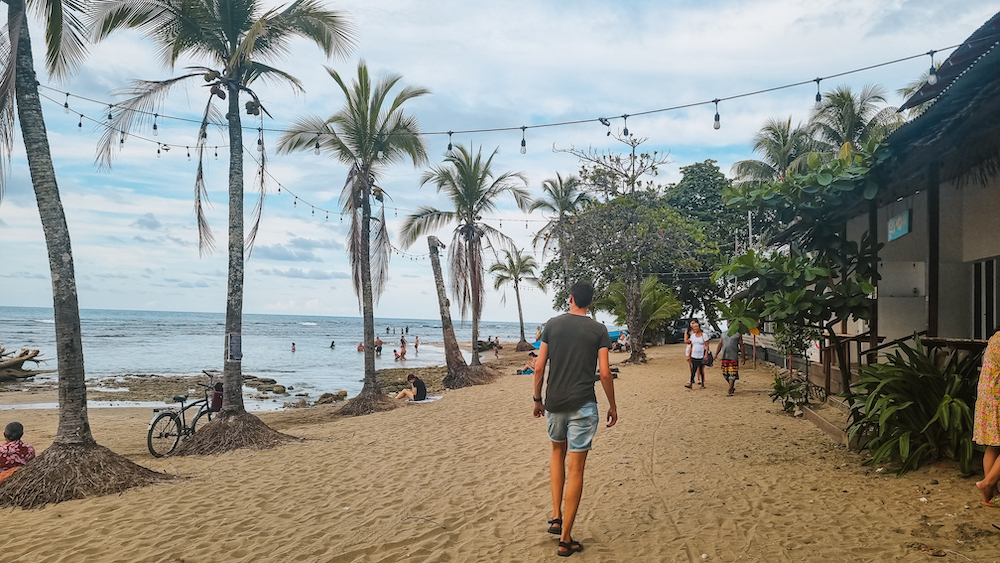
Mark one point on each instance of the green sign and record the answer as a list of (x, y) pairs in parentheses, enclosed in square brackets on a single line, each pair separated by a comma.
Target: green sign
[(900, 224)]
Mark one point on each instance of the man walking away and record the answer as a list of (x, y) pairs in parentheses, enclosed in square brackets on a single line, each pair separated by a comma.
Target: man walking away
[(575, 345)]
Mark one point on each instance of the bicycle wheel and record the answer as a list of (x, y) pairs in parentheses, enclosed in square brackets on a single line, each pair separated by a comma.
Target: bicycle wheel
[(197, 418), (164, 433)]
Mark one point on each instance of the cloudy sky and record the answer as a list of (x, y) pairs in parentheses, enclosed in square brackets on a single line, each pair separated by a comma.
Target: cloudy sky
[(488, 65)]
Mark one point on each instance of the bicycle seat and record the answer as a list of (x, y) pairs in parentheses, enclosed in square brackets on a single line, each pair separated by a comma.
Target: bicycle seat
[(180, 398)]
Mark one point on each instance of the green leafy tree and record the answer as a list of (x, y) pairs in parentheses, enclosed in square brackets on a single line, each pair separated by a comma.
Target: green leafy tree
[(369, 134), (516, 268), (781, 148), (237, 39), (474, 190), (658, 306), (74, 460), (563, 198), (823, 278)]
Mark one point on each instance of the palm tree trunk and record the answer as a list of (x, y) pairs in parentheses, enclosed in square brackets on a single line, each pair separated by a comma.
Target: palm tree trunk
[(476, 304), (232, 374), (74, 425), (520, 311), (452, 353), (371, 386)]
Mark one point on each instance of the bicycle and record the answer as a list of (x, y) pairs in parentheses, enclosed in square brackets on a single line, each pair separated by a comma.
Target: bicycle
[(169, 424)]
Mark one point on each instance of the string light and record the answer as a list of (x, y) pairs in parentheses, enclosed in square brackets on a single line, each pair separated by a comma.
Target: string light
[(717, 123), (110, 107), (819, 97), (604, 121), (932, 77), (260, 139), (625, 131), (66, 104), (524, 145), (216, 153), (79, 124), (157, 150), (155, 128), (121, 141), (189, 153), (316, 148), (448, 152)]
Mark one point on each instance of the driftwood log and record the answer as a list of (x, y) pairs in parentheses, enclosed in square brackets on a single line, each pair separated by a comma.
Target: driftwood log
[(12, 365)]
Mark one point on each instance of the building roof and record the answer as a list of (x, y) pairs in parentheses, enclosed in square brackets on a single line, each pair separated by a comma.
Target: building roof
[(960, 131)]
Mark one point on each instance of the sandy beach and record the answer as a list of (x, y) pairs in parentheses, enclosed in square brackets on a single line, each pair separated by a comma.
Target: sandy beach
[(686, 475)]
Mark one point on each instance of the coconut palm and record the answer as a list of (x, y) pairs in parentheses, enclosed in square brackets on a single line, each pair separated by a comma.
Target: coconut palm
[(237, 39), (846, 120), (474, 190), (781, 148), (74, 460), (369, 134), (563, 197), (911, 88), (516, 268)]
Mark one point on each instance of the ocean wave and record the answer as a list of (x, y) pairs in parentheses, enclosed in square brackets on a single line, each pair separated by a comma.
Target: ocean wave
[(308, 324), (46, 321)]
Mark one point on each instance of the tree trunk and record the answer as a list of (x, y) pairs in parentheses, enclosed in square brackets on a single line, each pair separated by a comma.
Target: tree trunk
[(633, 317), (842, 361), (371, 387), (232, 372), (520, 311), (74, 426), (477, 303), (457, 367)]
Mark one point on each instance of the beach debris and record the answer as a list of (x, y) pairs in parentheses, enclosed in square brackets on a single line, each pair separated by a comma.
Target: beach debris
[(927, 549), (12, 364), (922, 499)]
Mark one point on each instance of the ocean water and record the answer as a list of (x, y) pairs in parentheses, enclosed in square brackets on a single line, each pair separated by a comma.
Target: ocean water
[(173, 343)]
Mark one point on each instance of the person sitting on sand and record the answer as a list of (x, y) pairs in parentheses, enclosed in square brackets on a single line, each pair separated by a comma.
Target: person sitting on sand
[(361, 346), (417, 390), (529, 366), (14, 453)]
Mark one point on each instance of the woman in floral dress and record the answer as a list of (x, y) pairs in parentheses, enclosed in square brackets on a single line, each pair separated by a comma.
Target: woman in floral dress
[(986, 426)]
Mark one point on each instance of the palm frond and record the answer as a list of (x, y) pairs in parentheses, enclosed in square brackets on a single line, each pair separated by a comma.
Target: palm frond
[(65, 33), (304, 132), (206, 241), (260, 183), (381, 252), (8, 58), (257, 70), (423, 221), (459, 260)]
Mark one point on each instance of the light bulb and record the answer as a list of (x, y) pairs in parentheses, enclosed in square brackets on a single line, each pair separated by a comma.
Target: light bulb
[(189, 152), (66, 107), (717, 124), (158, 154), (260, 145), (380, 155), (524, 147), (155, 129), (819, 101), (316, 149), (79, 124), (932, 76), (216, 153)]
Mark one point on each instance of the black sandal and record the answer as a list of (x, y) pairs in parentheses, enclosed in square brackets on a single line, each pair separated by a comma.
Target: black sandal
[(555, 526), (572, 546)]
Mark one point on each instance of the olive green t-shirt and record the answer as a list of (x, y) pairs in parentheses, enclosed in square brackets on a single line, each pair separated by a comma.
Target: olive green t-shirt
[(573, 342)]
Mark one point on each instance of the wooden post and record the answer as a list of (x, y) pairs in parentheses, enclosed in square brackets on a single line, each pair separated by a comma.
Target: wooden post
[(933, 248), (873, 322)]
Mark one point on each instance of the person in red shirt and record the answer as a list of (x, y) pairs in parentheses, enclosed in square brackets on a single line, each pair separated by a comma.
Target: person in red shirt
[(14, 453)]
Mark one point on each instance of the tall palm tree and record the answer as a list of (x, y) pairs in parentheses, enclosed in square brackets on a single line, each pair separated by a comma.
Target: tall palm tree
[(237, 39), (474, 190), (911, 88), (563, 197), (515, 268), (846, 120), (369, 134), (74, 460), (781, 148)]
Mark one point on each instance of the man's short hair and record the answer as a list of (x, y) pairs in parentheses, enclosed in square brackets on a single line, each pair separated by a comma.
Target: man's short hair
[(14, 431), (583, 293)]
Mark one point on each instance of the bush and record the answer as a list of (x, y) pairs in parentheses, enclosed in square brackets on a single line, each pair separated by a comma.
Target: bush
[(915, 411), (791, 393)]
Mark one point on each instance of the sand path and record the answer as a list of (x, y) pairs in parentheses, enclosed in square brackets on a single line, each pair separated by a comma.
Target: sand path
[(684, 473)]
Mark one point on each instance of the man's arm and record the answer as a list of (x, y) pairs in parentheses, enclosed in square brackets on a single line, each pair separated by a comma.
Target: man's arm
[(543, 355), (608, 383)]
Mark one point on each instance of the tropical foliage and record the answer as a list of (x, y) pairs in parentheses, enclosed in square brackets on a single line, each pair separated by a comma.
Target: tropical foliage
[(563, 198), (658, 306), (846, 121), (369, 134), (781, 148), (475, 190), (514, 269), (916, 408)]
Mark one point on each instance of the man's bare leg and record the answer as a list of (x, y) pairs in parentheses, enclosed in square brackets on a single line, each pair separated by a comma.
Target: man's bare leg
[(557, 476), (574, 490)]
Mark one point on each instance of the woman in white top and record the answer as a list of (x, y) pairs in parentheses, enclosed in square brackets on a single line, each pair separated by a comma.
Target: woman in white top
[(696, 352)]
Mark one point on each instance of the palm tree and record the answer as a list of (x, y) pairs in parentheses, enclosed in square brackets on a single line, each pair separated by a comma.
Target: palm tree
[(74, 460), (658, 307), (911, 88), (515, 268), (847, 120), (369, 134), (564, 198), (237, 39), (458, 371), (474, 190), (781, 147)]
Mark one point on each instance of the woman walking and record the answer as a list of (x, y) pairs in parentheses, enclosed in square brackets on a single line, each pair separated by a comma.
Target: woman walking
[(696, 353), (986, 426)]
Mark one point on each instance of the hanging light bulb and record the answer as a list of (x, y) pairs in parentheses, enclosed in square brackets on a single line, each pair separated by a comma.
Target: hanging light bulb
[(604, 121), (448, 152), (327, 215), (524, 144), (932, 77), (260, 139), (79, 124), (296, 202), (158, 153), (625, 131), (121, 141), (66, 104), (314, 211), (216, 153), (155, 128), (819, 97), (189, 153), (109, 112), (316, 147), (717, 123)]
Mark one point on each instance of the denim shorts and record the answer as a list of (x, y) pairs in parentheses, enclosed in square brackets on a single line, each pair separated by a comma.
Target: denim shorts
[(577, 427)]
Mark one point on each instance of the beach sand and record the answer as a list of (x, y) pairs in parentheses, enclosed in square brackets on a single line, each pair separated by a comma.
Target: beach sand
[(686, 475)]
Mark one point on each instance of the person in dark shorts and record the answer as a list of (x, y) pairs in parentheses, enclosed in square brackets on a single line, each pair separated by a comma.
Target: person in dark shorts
[(574, 345), (729, 351), (378, 346), (417, 390)]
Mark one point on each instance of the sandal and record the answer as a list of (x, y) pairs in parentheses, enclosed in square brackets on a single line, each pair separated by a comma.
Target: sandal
[(688, 385), (555, 526), (572, 546)]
